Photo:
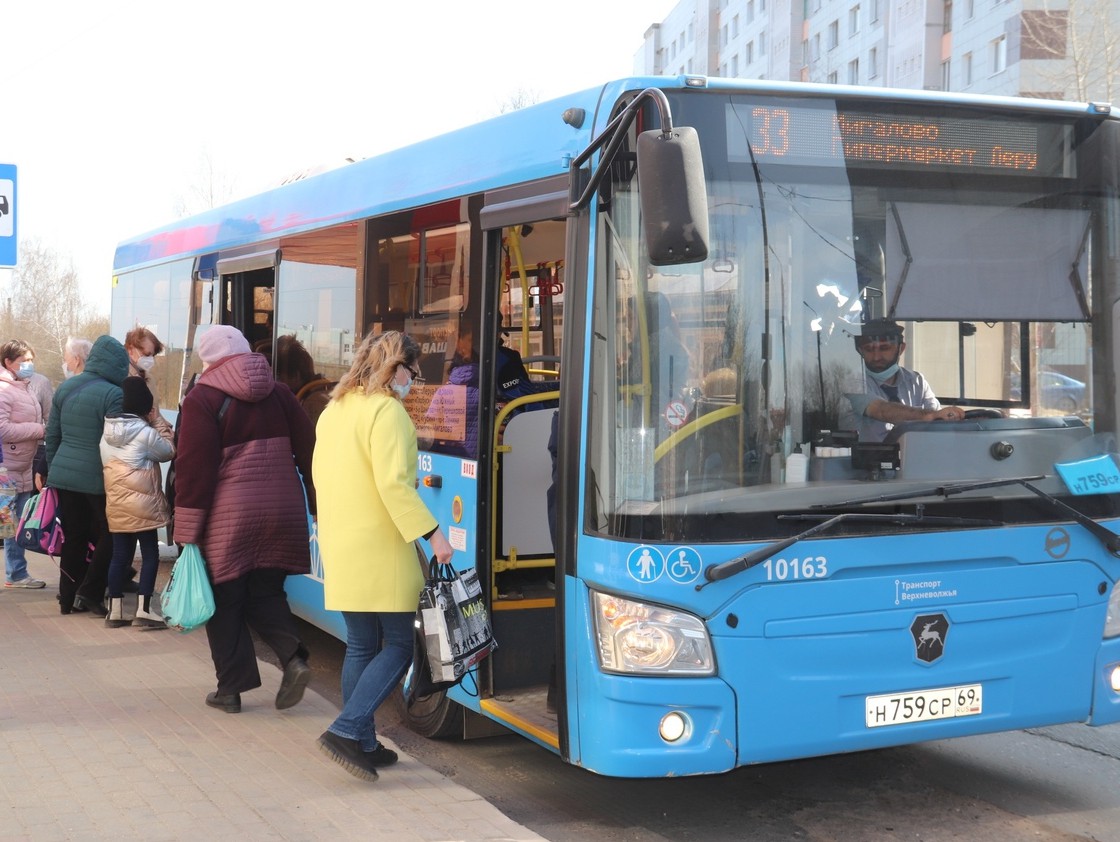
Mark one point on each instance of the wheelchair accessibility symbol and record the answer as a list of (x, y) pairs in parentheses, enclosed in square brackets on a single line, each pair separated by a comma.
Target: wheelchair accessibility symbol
[(645, 564), (683, 565)]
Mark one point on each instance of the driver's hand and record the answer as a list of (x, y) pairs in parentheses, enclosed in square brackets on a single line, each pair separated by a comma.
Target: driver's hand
[(949, 413)]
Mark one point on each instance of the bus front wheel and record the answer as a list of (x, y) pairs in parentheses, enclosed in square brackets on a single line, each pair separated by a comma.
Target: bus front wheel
[(434, 716)]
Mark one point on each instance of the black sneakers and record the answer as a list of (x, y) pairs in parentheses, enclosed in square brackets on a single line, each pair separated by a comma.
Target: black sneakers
[(349, 755), (381, 756)]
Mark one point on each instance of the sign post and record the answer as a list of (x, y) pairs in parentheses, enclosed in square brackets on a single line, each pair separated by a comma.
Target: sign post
[(7, 215)]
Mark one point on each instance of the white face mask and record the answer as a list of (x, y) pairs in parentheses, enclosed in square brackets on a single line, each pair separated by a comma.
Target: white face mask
[(884, 375), (402, 391), (66, 372), (145, 363)]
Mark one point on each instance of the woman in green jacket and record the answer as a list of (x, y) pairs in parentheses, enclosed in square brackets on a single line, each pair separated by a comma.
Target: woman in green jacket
[(369, 515)]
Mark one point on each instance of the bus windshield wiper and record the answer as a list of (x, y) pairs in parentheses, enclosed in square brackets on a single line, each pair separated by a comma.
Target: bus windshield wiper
[(1109, 539), (935, 491), (718, 572)]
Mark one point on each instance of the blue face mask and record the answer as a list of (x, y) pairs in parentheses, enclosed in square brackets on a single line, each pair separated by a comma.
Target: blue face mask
[(402, 391), (26, 370), (884, 375)]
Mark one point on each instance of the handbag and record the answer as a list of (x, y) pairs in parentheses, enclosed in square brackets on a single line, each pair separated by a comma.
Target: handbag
[(452, 630), (188, 600)]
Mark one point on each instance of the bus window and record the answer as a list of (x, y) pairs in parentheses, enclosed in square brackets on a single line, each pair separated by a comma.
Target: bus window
[(317, 278)]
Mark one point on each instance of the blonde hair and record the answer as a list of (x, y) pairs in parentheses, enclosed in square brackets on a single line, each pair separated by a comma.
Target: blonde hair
[(375, 364)]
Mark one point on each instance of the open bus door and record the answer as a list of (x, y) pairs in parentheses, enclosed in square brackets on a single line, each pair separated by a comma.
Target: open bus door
[(517, 304), (248, 285)]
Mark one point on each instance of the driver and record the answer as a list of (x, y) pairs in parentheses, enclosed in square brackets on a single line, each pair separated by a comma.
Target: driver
[(891, 393)]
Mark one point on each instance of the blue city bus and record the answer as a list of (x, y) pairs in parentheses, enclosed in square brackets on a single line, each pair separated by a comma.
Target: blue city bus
[(683, 267)]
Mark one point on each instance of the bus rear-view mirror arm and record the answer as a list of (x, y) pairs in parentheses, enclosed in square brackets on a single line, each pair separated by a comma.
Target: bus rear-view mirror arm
[(674, 195)]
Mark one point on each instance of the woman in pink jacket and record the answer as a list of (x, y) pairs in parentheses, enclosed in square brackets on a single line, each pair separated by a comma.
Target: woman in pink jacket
[(21, 430)]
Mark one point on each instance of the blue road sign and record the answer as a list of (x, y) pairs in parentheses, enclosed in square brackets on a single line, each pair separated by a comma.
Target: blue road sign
[(7, 214)]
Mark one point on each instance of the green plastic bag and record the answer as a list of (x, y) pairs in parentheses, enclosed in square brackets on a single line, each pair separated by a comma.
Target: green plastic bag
[(188, 601)]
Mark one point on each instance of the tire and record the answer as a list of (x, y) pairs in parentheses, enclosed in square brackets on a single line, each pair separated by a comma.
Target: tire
[(435, 716)]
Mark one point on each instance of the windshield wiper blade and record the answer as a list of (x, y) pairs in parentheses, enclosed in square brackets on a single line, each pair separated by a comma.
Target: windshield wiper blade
[(935, 491), (718, 572), (1106, 536)]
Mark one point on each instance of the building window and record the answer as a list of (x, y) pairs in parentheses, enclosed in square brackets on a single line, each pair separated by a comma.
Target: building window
[(999, 55), (969, 9), (735, 27), (750, 11), (873, 63), (947, 17), (853, 20), (853, 72), (946, 78), (833, 34), (750, 52), (690, 33), (832, 78), (805, 55), (966, 70), (873, 11), (817, 47), (723, 35), (735, 66), (762, 43)]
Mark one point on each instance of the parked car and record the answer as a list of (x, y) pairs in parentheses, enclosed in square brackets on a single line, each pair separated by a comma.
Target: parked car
[(1058, 392)]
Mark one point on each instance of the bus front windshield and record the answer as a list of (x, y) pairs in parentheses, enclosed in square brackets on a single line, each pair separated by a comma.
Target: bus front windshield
[(726, 394)]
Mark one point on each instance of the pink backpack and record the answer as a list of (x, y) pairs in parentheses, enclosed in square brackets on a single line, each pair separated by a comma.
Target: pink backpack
[(40, 528)]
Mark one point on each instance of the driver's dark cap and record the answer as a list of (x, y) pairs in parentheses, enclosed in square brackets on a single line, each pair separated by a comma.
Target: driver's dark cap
[(880, 329)]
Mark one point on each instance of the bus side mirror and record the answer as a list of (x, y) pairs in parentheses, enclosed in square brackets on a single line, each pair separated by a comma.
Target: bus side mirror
[(674, 196)]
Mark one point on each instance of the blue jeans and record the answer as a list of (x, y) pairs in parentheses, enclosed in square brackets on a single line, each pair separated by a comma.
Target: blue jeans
[(369, 671), (15, 563)]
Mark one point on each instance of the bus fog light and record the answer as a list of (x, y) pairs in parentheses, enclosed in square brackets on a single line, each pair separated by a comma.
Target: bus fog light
[(674, 726), (1116, 677)]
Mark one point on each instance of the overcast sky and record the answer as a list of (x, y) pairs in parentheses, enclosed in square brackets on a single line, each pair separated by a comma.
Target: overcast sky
[(109, 108)]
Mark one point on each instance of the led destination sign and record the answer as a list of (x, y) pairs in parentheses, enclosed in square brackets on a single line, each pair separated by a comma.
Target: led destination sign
[(818, 136)]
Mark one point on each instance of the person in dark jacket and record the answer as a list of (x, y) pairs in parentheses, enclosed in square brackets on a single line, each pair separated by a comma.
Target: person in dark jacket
[(74, 431), (239, 499)]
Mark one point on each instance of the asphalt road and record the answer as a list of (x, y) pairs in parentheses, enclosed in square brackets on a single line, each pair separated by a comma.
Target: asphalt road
[(1060, 783)]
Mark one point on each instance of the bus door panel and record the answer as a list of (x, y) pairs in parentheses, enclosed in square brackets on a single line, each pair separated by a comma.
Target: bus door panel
[(526, 476), (248, 288)]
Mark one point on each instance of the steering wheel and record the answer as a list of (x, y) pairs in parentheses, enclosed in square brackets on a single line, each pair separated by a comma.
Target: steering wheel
[(971, 414)]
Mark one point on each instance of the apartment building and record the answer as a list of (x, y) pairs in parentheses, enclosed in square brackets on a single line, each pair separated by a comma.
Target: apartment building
[(1050, 48)]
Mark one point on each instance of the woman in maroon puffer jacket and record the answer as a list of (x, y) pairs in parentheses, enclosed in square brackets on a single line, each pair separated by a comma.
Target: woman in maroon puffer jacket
[(238, 497)]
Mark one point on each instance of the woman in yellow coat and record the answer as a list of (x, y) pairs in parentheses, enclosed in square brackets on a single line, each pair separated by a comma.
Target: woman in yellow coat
[(369, 516)]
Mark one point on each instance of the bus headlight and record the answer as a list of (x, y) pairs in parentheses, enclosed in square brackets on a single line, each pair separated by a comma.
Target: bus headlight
[(1112, 620), (635, 637)]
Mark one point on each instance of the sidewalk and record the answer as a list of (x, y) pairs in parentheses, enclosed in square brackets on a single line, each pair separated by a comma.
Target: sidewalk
[(104, 735)]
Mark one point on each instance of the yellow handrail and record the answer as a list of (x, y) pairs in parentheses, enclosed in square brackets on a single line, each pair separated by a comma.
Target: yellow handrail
[(694, 426)]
